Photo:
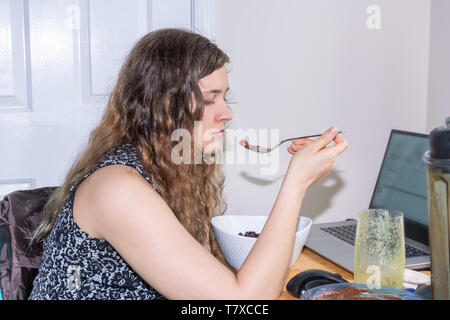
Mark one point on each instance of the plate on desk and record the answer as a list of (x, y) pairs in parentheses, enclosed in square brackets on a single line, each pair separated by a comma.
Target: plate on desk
[(357, 291)]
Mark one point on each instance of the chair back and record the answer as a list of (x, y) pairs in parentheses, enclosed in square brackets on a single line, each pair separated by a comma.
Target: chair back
[(21, 212)]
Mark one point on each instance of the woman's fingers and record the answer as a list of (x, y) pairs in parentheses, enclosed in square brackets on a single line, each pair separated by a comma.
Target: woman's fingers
[(340, 145), (302, 141), (298, 144), (291, 150), (328, 136), (295, 147)]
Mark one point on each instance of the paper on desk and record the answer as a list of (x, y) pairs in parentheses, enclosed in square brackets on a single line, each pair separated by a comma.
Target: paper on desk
[(412, 279)]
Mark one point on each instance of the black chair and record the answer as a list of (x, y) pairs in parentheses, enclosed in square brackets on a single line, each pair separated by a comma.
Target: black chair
[(20, 213)]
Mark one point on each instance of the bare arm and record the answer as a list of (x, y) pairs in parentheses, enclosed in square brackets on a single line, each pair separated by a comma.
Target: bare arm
[(264, 271), (137, 222)]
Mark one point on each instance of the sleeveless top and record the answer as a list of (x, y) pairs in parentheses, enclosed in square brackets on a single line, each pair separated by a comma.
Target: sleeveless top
[(77, 266)]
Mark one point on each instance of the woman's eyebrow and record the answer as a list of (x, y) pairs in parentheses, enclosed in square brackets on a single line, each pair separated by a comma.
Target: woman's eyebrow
[(216, 91)]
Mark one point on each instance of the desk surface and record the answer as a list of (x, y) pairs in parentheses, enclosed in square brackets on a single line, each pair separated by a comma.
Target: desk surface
[(310, 260)]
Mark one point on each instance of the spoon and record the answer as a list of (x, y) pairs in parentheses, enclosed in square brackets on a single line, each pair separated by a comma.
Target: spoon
[(259, 149)]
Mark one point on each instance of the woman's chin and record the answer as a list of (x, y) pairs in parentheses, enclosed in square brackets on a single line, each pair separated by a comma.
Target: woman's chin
[(212, 149)]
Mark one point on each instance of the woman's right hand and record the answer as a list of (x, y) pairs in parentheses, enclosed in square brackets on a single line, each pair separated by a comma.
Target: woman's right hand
[(313, 159)]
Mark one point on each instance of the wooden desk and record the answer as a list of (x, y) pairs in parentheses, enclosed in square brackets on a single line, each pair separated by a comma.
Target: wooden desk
[(310, 260)]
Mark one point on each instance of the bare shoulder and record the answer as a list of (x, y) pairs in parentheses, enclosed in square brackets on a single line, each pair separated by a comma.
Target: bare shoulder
[(110, 195), (114, 180), (114, 173)]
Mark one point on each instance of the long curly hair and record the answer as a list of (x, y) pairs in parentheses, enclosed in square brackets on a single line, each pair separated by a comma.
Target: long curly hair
[(157, 87)]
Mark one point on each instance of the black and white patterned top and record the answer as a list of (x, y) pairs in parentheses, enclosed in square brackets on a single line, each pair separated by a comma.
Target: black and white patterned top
[(77, 266)]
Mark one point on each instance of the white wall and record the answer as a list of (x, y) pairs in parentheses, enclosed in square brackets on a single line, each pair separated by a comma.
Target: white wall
[(302, 66), (439, 67)]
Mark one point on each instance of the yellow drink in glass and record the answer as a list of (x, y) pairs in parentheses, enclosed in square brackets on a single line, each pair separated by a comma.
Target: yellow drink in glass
[(379, 258)]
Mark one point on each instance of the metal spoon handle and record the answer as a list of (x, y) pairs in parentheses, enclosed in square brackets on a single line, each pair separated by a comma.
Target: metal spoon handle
[(313, 136)]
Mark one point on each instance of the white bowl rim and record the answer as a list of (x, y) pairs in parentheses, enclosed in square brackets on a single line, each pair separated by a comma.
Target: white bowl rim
[(259, 216)]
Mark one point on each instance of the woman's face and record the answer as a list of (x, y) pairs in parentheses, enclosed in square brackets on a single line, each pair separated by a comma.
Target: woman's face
[(216, 112)]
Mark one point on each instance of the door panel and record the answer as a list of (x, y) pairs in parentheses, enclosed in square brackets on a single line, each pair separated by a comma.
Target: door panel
[(58, 62)]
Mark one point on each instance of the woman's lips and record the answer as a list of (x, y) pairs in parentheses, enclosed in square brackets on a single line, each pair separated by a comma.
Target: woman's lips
[(219, 133)]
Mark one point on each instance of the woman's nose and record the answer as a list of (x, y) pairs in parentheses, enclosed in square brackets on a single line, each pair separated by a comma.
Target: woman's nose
[(224, 113)]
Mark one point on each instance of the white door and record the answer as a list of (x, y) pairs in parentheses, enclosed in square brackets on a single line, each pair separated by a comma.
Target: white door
[(58, 62)]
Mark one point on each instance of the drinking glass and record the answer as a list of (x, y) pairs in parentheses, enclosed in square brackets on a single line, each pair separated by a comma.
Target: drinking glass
[(379, 257)]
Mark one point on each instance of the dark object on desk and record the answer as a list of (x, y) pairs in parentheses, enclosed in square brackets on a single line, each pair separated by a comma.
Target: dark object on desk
[(424, 291), (440, 142), (20, 213), (310, 279)]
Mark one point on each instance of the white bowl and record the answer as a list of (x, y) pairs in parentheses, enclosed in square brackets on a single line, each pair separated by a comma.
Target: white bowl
[(236, 248)]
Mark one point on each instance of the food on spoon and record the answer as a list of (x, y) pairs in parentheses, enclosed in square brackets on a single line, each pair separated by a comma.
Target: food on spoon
[(248, 146), (244, 143)]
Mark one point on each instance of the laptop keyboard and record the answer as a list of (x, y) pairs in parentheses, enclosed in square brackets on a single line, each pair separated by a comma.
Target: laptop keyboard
[(414, 252), (348, 234)]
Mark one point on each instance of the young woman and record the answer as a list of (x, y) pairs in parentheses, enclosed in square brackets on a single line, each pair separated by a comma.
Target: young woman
[(129, 222)]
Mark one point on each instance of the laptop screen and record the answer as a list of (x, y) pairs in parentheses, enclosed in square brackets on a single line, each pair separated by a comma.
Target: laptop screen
[(402, 183)]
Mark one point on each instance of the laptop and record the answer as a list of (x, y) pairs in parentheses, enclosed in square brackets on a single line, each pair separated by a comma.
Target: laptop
[(401, 185)]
